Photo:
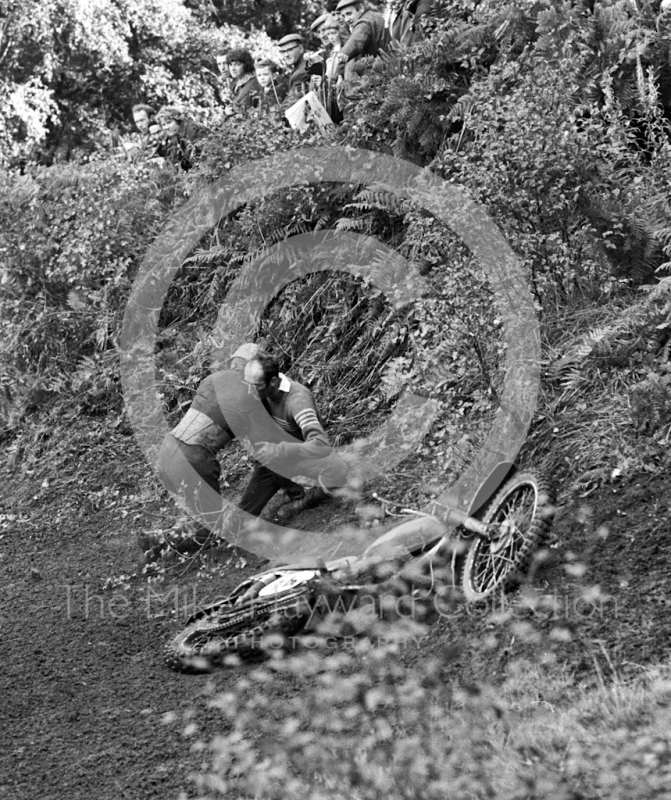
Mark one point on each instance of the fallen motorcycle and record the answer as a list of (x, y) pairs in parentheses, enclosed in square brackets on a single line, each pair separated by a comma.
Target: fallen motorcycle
[(487, 550)]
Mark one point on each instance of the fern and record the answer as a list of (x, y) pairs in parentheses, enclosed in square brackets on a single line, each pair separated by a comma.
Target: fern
[(375, 199), (571, 380), (347, 224)]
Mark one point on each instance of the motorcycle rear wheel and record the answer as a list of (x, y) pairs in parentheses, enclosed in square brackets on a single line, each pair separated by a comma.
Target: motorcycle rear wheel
[(247, 630), (523, 508)]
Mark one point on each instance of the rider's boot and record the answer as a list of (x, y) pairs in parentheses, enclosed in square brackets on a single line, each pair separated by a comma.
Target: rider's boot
[(310, 498)]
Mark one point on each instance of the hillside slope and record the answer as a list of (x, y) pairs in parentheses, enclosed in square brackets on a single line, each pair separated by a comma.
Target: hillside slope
[(89, 706)]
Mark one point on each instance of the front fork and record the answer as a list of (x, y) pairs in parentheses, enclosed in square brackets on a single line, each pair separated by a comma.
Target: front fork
[(461, 520), (444, 550)]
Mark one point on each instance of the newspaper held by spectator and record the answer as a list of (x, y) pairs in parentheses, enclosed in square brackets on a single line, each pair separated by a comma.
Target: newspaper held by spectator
[(306, 109)]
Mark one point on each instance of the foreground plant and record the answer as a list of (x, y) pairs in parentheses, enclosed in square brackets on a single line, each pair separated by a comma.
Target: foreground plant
[(364, 726)]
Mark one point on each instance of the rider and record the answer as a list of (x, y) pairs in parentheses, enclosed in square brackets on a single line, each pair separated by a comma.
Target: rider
[(227, 406), (222, 410), (306, 451)]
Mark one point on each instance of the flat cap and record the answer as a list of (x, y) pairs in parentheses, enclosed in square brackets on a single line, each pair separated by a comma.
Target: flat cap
[(344, 3), (331, 22), (290, 39), (321, 19)]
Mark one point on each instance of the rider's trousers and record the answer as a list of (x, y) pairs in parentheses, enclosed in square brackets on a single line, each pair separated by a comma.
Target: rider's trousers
[(264, 483)]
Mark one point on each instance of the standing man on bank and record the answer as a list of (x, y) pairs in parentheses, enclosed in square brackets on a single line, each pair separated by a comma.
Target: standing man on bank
[(368, 35)]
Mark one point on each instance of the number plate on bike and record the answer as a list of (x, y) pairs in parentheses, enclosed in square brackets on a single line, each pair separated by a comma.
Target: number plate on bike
[(288, 581)]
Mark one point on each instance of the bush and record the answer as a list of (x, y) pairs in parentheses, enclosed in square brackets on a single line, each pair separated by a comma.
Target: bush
[(357, 724), (72, 238)]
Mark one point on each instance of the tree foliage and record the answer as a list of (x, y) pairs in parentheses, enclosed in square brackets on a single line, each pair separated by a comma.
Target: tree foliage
[(71, 70), (276, 17)]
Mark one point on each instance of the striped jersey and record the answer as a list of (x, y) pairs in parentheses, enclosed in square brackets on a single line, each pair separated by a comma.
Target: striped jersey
[(296, 413)]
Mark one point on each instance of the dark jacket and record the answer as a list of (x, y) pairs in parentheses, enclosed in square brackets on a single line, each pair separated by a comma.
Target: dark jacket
[(183, 147), (299, 80), (403, 25), (244, 94), (368, 37), (273, 97)]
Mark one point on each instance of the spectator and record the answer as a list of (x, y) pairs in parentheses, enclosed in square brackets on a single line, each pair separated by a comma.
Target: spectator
[(293, 54), (145, 141), (326, 71), (244, 85), (335, 33), (323, 25), (368, 35), (331, 87), (143, 117), (179, 137), (273, 88), (335, 38), (317, 29), (402, 19)]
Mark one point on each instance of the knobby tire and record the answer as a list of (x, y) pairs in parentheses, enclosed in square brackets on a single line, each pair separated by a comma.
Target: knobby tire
[(526, 503), (246, 630)]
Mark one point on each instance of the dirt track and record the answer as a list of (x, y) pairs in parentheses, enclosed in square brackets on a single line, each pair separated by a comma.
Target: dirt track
[(85, 692), (84, 687)]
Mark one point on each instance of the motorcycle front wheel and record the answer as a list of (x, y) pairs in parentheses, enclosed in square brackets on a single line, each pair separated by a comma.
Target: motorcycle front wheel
[(520, 515)]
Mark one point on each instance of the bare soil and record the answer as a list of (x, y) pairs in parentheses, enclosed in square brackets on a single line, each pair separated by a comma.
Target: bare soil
[(90, 710)]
